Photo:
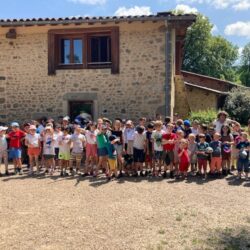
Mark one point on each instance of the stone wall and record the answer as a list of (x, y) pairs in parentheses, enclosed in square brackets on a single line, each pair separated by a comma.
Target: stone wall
[(26, 90), (192, 98)]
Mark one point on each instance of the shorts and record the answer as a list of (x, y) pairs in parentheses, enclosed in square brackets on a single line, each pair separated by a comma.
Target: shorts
[(119, 148), (48, 157), (193, 159), (226, 156), (15, 153), (76, 157), (243, 165), (34, 152), (102, 152), (91, 150), (169, 157), (112, 164), (139, 155), (64, 156), (158, 155)]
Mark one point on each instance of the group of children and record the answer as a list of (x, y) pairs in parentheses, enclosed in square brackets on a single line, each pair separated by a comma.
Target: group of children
[(122, 149)]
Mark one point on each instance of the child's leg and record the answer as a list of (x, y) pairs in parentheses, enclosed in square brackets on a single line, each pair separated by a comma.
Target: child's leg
[(213, 165), (5, 158), (199, 165), (37, 163), (31, 160), (205, 167)]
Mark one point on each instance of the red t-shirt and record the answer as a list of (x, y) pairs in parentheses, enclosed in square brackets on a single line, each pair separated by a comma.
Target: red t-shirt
[(15, 138), (171, 136)]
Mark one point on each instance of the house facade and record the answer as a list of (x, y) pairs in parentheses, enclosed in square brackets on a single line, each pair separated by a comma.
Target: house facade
[(114, 66)]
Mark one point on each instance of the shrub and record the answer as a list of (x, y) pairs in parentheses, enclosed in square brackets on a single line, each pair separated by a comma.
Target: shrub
[(203, 116), (237, 104)]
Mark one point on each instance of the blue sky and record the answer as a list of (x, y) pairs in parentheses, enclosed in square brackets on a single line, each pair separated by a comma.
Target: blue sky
[(230, 17)]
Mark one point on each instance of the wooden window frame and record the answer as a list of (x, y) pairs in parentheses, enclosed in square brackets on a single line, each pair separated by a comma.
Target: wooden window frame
[(54, 37)]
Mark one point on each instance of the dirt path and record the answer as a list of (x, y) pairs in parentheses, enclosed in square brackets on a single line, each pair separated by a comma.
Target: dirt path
[(145, 213)]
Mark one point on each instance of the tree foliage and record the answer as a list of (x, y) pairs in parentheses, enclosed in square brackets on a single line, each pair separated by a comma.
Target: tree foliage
[(245, 66), (207, 54), (237, 104)]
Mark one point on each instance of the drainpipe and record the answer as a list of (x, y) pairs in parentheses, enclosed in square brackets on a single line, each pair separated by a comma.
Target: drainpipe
[(168, 70)]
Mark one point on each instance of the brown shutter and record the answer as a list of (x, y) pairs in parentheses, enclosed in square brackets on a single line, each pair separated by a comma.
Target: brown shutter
[(51, 54), (115, 45)]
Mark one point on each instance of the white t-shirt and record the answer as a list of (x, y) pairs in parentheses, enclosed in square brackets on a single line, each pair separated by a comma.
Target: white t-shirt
[(49, 145), (64, 145), (91, 136), (77, 143), (129, 134), (157, 139), (195, 131), (33, 139), (57, 135), (3, 143), (218, 125), (139, 140)]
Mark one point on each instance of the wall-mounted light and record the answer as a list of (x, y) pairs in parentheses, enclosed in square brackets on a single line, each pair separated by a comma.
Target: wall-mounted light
[(11, 34)]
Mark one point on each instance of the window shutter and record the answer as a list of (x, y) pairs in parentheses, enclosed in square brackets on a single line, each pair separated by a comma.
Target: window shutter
[(115, 46)]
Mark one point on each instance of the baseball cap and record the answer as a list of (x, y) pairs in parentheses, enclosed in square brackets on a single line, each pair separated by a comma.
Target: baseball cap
[(66, 118), (2, 128), (14, 124), (187, 123)]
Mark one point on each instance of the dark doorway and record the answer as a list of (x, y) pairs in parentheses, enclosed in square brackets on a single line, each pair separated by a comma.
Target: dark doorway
[(77, 107)]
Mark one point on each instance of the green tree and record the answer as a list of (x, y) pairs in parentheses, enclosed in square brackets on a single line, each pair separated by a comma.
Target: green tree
[(245, 66), (237, 104), (207, 54)]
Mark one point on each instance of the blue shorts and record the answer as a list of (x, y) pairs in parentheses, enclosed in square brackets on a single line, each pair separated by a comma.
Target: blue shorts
[(243, 165), (15, 153), (102, 151), (139, 155)]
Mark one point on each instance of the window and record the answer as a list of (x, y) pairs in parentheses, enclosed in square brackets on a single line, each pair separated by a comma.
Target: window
[(84, 49)]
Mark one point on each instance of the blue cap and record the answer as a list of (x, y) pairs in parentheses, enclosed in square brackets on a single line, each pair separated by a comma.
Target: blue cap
[(14, 124), (187, 123)]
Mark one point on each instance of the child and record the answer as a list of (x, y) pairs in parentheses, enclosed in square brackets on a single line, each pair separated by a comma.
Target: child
[(192, 148), (112, 157), (78, 141), (49, 149), (227, 141), (149, 149), (180, 136), (195, 127), (157, 147), (216, 159), (91, 148), (128, 137), (3, 149), (139, 147), (236, 129), (187, 128), (57, 134), (16, 136), (202, 157), (33, 142), (243, 160), (117, 131), (183, 158), (168, 142), (102, 151), (64, 150)]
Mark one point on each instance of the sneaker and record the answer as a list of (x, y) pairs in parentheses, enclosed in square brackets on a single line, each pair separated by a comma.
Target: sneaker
[(108, 178), (141, 173), (7, 173), (20, 172), (46, 171), (146, 173), (171, 174), (224, 172), (247, 179), (229, 172), (61, 174)]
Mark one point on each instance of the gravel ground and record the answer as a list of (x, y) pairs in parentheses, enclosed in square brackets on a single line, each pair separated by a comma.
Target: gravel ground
[(45, 212)]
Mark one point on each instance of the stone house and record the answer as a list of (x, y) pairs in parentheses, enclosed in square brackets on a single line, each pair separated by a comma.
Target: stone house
[(107, 66)]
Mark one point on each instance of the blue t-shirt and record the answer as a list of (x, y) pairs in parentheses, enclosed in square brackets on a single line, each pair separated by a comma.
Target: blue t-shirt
[(111, 151), (216, 146), (202, 147), (241, 146)]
